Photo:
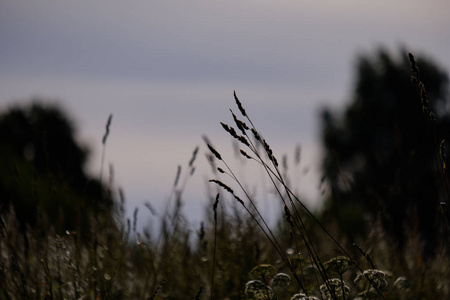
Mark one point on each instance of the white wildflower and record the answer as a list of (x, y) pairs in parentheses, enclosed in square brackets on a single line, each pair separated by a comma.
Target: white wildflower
[(335, 288)]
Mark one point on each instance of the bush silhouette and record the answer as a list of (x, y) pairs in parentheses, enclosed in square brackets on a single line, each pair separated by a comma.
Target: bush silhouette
[(388, 145), (42, 172)]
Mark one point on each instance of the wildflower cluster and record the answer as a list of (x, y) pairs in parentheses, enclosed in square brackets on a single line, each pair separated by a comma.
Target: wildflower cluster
[(376, 278), (335, 289), (257, 290), (260, 276), (302, 296), (339, 265)]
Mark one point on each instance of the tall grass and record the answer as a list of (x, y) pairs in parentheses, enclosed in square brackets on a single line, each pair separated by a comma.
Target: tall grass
[(234, 254)]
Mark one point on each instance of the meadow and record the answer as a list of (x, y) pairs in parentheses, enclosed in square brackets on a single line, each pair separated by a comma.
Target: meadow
[(234, 254)]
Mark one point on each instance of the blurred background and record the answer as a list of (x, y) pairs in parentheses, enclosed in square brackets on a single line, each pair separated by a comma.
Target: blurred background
[(166, 71)]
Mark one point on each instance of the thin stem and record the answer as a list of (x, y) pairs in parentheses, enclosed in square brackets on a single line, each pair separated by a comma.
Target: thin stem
[(214, 257)]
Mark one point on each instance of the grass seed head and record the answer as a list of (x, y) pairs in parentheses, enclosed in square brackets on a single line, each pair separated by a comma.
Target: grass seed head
[(230, 130), (220, 183), (213, 151), (194, 155), (108, 123), (216, 202), (240, 124), (256, 134), (245, 154), (238, 103), (239, 199), (136, 210), (177, 177), (244, 141)]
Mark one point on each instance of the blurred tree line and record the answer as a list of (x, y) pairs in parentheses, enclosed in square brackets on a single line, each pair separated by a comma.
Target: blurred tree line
[(381, 158), (42, 174), (382, 152)]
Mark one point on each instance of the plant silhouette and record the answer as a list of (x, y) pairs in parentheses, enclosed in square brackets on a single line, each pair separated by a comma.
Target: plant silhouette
[(381, 153), (42, 172)]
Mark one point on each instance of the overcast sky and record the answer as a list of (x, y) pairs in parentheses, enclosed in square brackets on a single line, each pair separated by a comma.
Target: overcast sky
[(167, 69)]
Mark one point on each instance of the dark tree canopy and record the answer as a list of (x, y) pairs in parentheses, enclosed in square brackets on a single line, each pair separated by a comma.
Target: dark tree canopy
[(382, 153), (42, 169)]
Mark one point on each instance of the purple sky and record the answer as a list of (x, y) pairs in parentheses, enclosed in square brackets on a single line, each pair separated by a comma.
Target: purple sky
[(167, 71)]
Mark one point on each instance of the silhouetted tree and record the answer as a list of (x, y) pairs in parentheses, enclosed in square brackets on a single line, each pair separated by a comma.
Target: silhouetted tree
[(42, 170), (381, 154)]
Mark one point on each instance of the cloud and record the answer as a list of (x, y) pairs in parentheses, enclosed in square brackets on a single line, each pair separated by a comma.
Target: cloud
[(283, 41)]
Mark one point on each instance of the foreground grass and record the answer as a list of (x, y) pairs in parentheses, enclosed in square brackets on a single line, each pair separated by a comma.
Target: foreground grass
[(233, 255)]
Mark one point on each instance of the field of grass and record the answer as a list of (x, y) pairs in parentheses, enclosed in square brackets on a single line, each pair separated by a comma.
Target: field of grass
[(234, 254)]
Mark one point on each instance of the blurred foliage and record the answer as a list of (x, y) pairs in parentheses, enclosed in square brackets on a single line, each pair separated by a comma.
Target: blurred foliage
[(382, 152), (43, 170)]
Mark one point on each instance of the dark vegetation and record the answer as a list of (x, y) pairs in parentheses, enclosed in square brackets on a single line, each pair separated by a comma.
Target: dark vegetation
[(381, 234), (42, 170), (382, 153)]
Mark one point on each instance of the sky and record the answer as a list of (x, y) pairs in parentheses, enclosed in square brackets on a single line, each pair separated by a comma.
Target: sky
[(167, 70)]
